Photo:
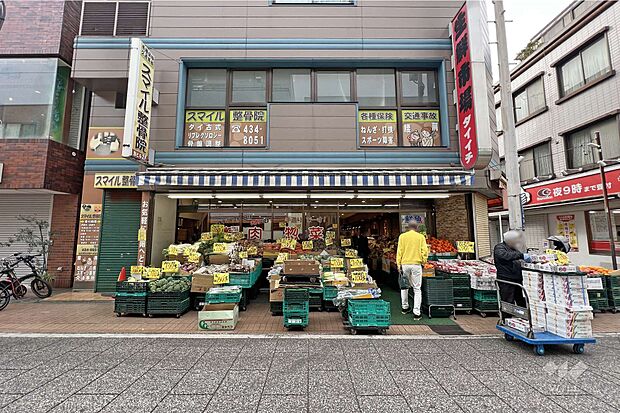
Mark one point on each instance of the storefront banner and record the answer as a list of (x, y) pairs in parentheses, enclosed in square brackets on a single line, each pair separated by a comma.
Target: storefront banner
[(421, 127), (204, 128), (583, 187), (108, 180), (291, 232), (377, 128), (104, 143), (140, 87), (567, 227), (468, 142), (88, 242), (248, 128)]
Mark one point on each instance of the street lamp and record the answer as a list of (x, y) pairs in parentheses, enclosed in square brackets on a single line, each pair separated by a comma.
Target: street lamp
[(601, 163)]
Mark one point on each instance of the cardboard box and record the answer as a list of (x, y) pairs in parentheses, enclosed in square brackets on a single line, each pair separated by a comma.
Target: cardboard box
[(276, 293), (218, 317), (218, 259), (202, 283), (301, 267)]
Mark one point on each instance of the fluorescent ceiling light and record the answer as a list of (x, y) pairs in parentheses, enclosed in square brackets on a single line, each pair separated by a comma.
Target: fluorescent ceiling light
[(285, 196), (380, 196), (332, 196), (426, 196), (214, 196)]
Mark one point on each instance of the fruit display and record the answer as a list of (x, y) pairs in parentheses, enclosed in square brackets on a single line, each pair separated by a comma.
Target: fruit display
[(472, 267), (594, 270), (169, 285), (440, 246)]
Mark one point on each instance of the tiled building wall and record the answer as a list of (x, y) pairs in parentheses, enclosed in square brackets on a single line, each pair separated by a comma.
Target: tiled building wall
[(62, 232), (452, 217)]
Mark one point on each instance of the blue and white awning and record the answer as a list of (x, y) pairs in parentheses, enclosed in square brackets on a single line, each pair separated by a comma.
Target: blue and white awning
[(198, 178)]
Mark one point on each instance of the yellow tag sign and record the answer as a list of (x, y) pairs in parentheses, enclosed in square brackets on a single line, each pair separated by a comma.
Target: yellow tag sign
[(173, 250), (359, 277), (219, 247), (465, 247), (152, 272), (206, 236), (142, 234), (328, 274), (283, 256), (221, 278), (329, 241), (306, 245), (217, 228), (239, 236), (253, 250), (194, 257), (229, 237), (356, 263), (137, 270), (336, 263), (170, 266), (192, 249), (282, 224), (330, 234), (350, 253), (345, 242), (243, 254), (288, 243)]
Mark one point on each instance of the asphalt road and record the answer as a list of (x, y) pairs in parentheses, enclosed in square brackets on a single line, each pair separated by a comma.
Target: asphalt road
[(293, 374)]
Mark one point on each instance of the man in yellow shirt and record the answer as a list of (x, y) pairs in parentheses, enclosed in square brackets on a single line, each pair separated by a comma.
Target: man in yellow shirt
[(411, 254)]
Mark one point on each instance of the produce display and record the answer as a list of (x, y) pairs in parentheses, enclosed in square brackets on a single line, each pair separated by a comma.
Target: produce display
[(441, 246), (169, 285), (594, 270)]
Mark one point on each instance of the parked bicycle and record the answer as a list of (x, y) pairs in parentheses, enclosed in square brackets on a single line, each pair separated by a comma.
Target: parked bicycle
[(12, 285)]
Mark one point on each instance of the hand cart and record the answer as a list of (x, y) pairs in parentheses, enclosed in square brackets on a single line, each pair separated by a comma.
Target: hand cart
[(538, 339)]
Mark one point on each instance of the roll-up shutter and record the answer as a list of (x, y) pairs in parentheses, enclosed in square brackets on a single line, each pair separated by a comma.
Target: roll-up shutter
[(14, 205), (481, 223), (536, 231), (118, 245)]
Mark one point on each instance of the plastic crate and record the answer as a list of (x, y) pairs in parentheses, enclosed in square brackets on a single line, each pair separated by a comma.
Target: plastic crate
[(371, 306), (329, 293), (485, 295), (132, 287), (369, 320), (612, 281), (221, 298), (438, 311), (275, 307), (460, 280), (485, 306), (166, 306), (296, 294), (245, 279), (459, 292), (130, 304), (463, 303), (296, 306), (295, 320)]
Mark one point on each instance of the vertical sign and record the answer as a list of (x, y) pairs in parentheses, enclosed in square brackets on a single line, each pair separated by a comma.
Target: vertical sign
[(144, 224), (468, 142), (566, 226), (204, 128), (87, 243), (248, 128), (377, 128), (139, 101)]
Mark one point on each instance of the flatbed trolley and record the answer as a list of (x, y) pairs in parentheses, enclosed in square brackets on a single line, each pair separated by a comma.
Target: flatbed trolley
[(538, 339)]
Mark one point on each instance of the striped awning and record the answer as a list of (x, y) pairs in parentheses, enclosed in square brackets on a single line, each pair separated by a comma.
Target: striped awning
[(197, 178)]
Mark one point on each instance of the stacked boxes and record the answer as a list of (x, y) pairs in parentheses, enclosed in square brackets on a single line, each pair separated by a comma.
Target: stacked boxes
[(296, 307), (437, 296), (569, 323), (534, 285)]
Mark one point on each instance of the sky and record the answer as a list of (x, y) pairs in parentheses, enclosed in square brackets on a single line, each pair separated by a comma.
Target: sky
[(529, 17)]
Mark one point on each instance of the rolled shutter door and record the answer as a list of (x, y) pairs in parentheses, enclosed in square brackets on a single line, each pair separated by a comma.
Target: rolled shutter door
[(481, 222), (118, 245)]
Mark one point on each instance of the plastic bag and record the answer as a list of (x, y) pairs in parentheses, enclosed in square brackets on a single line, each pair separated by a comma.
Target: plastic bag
[(403, 281)]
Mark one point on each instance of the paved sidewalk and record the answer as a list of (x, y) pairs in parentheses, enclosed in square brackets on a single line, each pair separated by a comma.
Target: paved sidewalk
[(217, 374)]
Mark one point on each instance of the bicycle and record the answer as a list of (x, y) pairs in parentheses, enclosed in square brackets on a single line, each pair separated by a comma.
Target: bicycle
[(14, 286)]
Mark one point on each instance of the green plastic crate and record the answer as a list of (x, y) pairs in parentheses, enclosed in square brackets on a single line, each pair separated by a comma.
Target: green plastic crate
[(130, 304), (245, 279), (438, 311), (296, 306), (370, 306), (164, 306), (221, 298), (460, 292), (485, 295), (296, 294), (463, 303), (132, 287), (369, 320), (329, 293), (485, 306), (612, 281)]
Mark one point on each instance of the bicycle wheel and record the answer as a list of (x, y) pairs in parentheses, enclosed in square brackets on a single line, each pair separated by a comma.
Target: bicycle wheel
[(5, 297), (41, 288)]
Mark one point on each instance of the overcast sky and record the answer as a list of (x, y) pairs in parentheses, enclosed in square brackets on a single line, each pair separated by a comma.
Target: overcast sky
[(529, 17)]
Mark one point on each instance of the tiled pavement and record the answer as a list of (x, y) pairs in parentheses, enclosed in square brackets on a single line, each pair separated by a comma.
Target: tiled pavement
[(344, 374)]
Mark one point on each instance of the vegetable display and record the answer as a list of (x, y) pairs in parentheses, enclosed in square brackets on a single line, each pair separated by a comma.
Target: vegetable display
[(169, 285)]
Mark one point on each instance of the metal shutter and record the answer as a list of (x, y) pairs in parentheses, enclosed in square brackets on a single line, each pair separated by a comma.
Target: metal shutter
[(481, 225), (118, 245), (11, 206), (536, 230), (132, 19), (98, 18)]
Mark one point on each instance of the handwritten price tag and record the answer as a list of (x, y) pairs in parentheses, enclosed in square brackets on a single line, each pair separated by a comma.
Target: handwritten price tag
[(465, 247), (194, 257), (329, 241), (173, 250), (306, 245), (217, 228), (356, 263), (336, 262), (206, 236), (283, 256), (228, 237), (170, 266), (137, 270), (243, 254), (192, 249), (345, 242), (253, 250), (350, 253), (359, 277), (291, 244), (282, 224), (152, 272), (221, 278), (219, 247)]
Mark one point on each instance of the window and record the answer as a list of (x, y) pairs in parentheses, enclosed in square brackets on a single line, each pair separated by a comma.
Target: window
[(323, 2), (598, 230), (291, 85), (499, 126), (536, 162), (530, 100), (588, 65), (376, 87), (206, 88), (115, 18), (249, 86), (419, 88), (580, 154), (120, 100), (333, 86)]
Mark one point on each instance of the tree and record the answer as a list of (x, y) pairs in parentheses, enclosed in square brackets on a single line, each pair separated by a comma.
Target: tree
[(35, 234), (528, 49)]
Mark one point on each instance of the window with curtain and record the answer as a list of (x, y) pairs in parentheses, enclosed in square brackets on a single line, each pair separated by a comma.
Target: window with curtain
[(376, 87), (530, 100), (291, 85), (588, 65), (536, 162), (580, 154), (333, 86)]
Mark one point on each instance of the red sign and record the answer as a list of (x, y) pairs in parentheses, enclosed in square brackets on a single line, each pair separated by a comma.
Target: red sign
[(315, 233), (291, 232), (468, 141), (583, 187), (255, 233)]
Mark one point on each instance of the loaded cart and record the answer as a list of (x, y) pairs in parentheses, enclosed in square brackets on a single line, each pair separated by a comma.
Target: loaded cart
[(367, 315)]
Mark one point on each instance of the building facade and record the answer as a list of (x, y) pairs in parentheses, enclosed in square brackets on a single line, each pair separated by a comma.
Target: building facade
[(41, 119), (563, 93), (275, 114)]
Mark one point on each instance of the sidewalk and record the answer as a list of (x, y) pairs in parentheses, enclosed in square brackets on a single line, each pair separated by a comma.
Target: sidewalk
[(91, 313)]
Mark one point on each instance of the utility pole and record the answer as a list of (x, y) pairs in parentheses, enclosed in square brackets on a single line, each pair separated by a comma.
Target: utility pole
[(601, 165), (515, 208)]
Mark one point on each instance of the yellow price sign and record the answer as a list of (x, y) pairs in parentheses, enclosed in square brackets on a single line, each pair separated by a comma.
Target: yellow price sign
[(253, 250), (283, 256), (282, 225), (306, 245), (192, 249), (239, 236), (194, 257), (206, 236), (228, 237), (136, 270), (356, 263), (345, 242), (288, 243), (561, 257), (359, 277), (219, 247), (217, 228), (221, 278), (173, 250), (329, 241), (350, 253), (243, 254), (466, 247), (170, 266), (336, 263), (152, 272)]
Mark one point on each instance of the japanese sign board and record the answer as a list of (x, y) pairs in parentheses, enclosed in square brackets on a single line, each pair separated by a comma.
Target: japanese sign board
[(170, 266), (108, 180), (421, 127), (252, 250), (359, 277), (466, 116), (140, 87), (221, 278), (152, 272), (206, 236), (217, 228), (377, 128), (88, 242), (291, 232), (345, 242), (145, 206), (219, 247), (350, 253), (466, 247), (204, 128), (356, 263), (248, 128), (255, 233), (137, 270), (336, 262), (306, 245), (566, 226), (316, 233)]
